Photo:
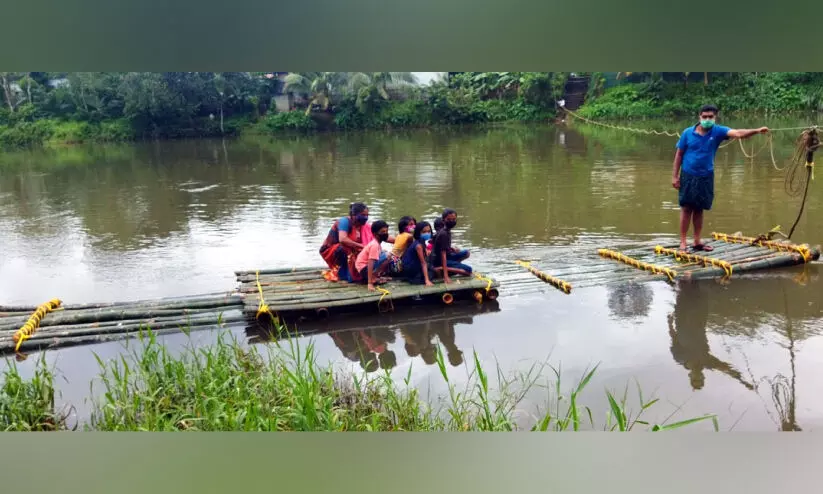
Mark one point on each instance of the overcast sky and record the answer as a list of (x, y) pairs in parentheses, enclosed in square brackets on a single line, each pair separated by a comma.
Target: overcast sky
[(425, 77)]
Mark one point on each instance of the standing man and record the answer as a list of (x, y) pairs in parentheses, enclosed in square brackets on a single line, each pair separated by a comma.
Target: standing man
[(695, 180)]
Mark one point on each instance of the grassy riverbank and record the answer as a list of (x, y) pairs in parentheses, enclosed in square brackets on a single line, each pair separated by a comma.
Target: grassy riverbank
[(672, 94), (229, 387)]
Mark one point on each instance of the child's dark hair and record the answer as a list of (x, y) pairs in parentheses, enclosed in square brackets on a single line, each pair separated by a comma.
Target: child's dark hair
[(404, 223), (439, 224), (418, 229), (377, 226), (357, 208), (447, 212)]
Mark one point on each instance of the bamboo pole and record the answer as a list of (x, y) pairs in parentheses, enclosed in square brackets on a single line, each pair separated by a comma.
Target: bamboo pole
[(57, 333), (101, 315), (124, 322), (227, 297), (771, 263), (252, 272)]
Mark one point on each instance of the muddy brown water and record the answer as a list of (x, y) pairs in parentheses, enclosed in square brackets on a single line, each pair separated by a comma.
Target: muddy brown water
[(137, 221)]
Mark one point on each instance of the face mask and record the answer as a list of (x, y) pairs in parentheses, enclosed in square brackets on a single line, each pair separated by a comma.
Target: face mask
[(362, 218), (425, 237), (451, 224), (707, 124), (410, 229), (383, 237)]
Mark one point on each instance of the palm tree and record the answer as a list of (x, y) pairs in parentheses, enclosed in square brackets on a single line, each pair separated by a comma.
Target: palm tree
[(367, 85), (319, 87)]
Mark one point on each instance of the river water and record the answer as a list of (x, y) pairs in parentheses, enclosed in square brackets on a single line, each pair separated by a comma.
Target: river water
[(137, 221)]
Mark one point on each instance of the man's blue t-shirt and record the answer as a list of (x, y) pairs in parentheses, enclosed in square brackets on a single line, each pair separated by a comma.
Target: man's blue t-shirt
[(699, 150)]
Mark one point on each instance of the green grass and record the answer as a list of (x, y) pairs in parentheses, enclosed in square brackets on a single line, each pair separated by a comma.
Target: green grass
[(226, 387), (28, 405)]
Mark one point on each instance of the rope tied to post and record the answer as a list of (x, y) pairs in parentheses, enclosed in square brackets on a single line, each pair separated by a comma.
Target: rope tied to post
[(28, 329)]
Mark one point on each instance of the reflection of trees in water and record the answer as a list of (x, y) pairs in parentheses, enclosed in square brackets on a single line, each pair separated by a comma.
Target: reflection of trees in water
[(630, 300)]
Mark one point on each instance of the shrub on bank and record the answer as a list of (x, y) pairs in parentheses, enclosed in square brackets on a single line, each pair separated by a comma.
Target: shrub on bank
[(747, 92)]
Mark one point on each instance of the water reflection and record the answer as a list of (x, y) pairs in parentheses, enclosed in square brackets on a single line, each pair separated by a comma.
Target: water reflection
[(690, 344), (369, 340), (630, 300)]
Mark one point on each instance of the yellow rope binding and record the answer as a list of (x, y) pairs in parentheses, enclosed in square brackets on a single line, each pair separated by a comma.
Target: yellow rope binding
[(803, 250), (263, 308), (28, 329), (680, 255), (556, 282), (379, 302), (487, 280), (672, 274)]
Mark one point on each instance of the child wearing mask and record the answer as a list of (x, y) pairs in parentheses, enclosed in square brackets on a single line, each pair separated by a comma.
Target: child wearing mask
[(416, 269), (372, 261), (443, 254)]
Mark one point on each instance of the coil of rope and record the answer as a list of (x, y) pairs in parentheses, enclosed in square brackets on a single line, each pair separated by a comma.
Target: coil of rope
[(33, 322)]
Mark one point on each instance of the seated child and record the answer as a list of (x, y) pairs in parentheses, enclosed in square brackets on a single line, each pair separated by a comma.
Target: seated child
[(401, 243), (372, 261), (415, 267), (454, 253), (440, 257)]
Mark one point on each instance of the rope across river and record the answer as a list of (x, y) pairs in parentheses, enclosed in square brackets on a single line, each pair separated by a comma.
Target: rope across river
[(796, 181)]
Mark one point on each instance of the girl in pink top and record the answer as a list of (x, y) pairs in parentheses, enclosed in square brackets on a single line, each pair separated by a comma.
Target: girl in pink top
[(372, 261)]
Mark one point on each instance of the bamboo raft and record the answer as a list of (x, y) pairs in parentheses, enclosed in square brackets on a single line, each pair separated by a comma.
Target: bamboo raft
[(270, 294), (277, 295), (80, 324), (731, 255)]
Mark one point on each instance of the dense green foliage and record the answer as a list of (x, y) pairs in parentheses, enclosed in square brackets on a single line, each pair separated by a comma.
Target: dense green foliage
[(227, 387), (679, 94), (59, 108), (42, 108)]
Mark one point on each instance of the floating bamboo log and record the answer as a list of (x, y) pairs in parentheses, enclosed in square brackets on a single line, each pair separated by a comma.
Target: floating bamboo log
[(564, 286)]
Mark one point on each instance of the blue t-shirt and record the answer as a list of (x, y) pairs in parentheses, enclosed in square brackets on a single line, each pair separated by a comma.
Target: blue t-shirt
[(699, 150)]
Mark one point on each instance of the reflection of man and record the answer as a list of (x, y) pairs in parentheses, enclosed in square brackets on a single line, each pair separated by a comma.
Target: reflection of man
[(690, 345)]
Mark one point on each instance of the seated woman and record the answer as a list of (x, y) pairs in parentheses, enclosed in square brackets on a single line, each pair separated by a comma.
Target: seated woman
[(347, 237), (415, 267)]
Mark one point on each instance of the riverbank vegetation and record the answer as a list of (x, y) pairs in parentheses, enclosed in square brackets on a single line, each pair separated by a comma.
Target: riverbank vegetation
[(64, 108), (227, 386), (635, 95)]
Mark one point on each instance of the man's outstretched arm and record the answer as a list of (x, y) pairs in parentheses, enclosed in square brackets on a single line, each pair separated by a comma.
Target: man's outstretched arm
[(745, 133)]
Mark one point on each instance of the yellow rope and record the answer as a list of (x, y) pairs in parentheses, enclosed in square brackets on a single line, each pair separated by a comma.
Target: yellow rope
[(28, 329), (556, 282), (385, 292), (487, 280), (803, 250), (263, 307), (680, 255), (672, 274)]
